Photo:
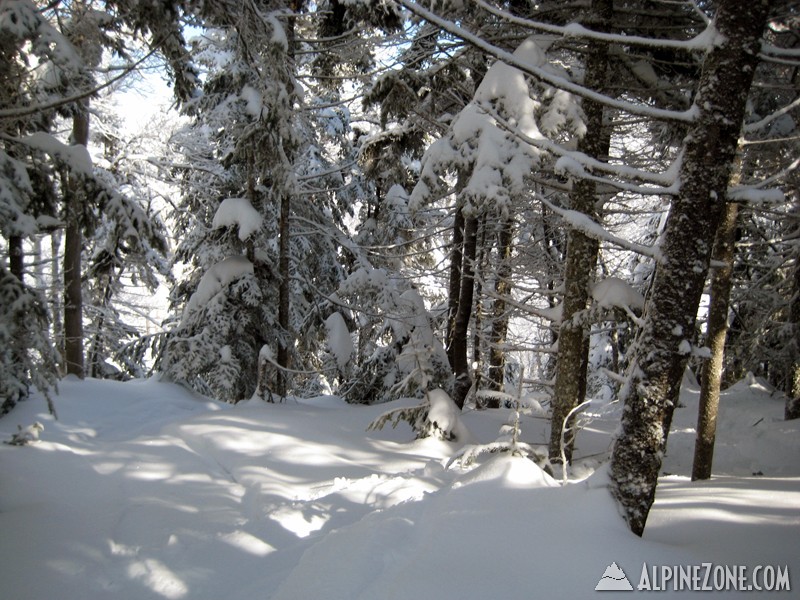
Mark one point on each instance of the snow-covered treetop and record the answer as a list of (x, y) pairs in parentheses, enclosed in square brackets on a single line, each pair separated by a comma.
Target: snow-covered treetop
[(489, 140)]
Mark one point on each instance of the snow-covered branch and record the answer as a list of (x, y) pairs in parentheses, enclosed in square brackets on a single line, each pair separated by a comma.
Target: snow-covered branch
[(27, 111), (594, 230), (700, 42), (758, 193), (762, 123), (542, 74), (578, 163)]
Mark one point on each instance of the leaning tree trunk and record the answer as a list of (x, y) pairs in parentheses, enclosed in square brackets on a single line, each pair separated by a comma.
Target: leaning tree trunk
[(460, 365), (717, 331), (73, 247), (581, 258), (663, 347)]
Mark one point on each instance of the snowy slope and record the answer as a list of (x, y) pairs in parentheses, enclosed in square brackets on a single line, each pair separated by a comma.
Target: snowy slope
[(143, 490)]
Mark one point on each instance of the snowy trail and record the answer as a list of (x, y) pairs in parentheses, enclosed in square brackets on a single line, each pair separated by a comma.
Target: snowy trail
[(144, 490)]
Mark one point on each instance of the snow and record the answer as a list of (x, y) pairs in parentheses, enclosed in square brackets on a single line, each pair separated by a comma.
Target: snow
[(613, 292), (144, 490), (542, 74), (340, 344), (215, 280), (585, 224), (238, 212), (485, 137), (445, 415), (278, 32), (75, 157), (254, 103)]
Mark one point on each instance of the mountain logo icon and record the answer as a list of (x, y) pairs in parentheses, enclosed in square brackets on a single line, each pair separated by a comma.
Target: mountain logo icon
[(613, 580)]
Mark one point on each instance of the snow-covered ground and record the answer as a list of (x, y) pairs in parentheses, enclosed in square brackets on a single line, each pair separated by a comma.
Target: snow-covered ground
[(143, 490)]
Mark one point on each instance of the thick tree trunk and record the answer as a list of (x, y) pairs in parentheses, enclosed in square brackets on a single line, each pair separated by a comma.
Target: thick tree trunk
[(581, 258), (502, 290), (463, 380), (663, 347), (73, 247), (717, 330)]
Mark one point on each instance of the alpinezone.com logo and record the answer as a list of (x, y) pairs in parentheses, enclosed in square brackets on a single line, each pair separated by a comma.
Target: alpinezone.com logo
[(703, 577)]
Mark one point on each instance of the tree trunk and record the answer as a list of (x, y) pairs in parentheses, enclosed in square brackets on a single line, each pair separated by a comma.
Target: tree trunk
[(456, 261), (502, 290), (57, 296), (282, 357), (662, 350), (73, 247), (792, 410), (581, 258), (16, 256), (479, 273), (460, 365), (284, 289), (98, 339), (717, 330)]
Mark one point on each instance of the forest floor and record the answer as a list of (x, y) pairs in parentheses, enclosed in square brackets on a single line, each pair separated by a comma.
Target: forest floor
[(144, 490)]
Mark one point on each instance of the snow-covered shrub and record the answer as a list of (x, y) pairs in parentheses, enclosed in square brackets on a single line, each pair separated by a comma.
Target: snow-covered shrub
[(27, 357), (211, 348), (509, 438), (397, 353), (438, 416)]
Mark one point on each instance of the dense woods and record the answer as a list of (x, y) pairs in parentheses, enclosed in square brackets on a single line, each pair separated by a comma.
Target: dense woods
[(508, 201)]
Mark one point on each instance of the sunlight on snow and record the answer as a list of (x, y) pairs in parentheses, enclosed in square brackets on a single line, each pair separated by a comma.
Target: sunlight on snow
[(158, 577), (248, 543), (301, 521)]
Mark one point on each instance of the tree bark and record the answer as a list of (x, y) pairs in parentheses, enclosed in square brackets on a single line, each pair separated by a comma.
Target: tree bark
[(73, 247), (282, 357), (502, 290), (463, 380), (581, 258), (454, 289), (97, 345), (717, 330), (16, 256), (284, 289), (662, 350), (479, 274), (792, 409)]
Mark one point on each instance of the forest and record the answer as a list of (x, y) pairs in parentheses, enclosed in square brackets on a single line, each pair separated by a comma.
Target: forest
[(475, 204)]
